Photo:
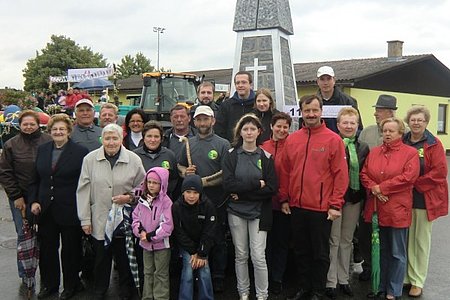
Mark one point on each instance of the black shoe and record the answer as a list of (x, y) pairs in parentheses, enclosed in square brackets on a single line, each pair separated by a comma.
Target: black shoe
[(218, 285), (331, 293), (379, 295), (365, 275), (317, 296), (275, 287), (69, 293), (47, 292), (346, 289), (299, 295)]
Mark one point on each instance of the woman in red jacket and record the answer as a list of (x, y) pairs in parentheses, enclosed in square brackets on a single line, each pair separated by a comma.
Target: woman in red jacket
[(389, 174), (278, 238), (430, 195)]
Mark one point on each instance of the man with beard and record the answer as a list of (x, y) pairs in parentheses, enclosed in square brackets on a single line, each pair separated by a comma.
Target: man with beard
[(315, 176), (207, 150), (205, 95)]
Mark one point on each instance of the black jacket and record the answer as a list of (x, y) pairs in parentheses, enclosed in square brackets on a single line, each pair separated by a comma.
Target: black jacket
[(253, 192), (230, 112), (17, 163), (266, 119), (339, 98), (195, 225), (55, 188)]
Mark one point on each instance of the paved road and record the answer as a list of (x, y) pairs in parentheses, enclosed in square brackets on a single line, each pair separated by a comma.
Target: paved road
[(437, 285)]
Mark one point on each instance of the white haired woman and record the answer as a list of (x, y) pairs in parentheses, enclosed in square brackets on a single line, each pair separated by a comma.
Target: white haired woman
[(108, 176)]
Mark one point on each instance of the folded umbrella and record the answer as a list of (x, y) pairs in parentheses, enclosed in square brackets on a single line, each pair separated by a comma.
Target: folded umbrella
[(28, 253), (375, 276)]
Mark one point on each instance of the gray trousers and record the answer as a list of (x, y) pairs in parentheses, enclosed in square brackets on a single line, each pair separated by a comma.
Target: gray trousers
[(247, 236), (156, 275), (341, 244)]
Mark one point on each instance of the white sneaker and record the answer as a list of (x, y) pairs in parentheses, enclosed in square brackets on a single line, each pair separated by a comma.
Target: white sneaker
[(243, 297)]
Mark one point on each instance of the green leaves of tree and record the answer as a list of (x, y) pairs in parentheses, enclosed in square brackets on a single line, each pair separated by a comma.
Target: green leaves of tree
[(59, 55), (134, 65)]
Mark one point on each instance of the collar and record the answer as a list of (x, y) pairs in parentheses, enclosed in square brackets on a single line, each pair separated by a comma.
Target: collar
[(83, 128), (393, 146)]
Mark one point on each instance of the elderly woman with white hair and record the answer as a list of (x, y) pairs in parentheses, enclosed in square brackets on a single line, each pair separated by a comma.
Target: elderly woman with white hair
[(107, 178)]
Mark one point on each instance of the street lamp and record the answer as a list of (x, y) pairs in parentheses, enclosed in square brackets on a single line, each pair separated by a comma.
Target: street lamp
[(158, 30)]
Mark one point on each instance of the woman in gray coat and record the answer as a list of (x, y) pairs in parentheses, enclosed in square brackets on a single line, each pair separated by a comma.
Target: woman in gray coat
[(107, 179)]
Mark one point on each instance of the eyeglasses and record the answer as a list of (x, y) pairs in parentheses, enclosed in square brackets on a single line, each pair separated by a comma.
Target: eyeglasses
[(417, 121)]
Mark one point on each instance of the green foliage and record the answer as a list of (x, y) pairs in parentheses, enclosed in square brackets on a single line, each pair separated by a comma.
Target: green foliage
[(134, 66), (55, 59), (12, 96)]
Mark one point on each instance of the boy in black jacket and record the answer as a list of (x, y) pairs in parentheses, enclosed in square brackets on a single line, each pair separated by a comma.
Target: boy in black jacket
[(194, 219)]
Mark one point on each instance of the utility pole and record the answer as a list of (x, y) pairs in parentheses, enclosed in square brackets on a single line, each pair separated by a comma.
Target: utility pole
[(158, 31)]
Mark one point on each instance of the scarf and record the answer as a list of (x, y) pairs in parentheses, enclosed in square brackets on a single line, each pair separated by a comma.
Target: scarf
[(354, 164)]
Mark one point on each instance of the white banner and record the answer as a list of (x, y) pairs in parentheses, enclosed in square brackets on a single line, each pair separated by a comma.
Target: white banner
[(77, 75), (58, 79), (222, 87), (328, 111)]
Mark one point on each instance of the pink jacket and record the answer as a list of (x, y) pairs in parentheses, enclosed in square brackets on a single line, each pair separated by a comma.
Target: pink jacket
[(155, 218)]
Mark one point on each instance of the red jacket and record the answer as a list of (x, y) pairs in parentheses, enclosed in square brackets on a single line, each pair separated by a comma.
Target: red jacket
[(313, 173), (72, 99), (394, 167), (433, 183), (276, 148)]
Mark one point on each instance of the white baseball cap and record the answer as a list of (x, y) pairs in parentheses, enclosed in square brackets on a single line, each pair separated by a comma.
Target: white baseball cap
[(325, 70), (84, 101), (204, 110)]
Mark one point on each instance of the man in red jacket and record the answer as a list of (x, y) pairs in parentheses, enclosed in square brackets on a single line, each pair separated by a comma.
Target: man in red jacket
[(313, 181)]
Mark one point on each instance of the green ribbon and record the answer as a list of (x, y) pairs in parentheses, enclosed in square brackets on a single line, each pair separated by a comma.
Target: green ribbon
[(354, 164)]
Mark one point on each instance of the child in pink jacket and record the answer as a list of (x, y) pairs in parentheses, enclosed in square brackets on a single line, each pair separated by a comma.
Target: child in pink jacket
[(153, 225)]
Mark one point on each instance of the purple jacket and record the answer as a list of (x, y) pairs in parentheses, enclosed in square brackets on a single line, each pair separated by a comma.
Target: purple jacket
[(155, 219)]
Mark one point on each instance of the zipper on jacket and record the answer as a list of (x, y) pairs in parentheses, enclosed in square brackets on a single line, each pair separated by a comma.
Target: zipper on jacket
[(321, 194), (304, 166), (154, 213), (276, 150)]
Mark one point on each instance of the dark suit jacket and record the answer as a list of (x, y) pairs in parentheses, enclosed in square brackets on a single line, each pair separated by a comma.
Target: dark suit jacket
[(55, 189)]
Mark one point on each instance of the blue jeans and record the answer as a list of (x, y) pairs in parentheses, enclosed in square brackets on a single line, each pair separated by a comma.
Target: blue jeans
[(393, 259), (17, 218), (205, 289)]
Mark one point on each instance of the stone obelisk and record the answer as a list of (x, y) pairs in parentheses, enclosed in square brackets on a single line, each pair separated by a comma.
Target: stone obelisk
[(263, 47)]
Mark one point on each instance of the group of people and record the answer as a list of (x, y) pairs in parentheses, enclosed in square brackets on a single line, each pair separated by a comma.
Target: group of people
[(157, 194)]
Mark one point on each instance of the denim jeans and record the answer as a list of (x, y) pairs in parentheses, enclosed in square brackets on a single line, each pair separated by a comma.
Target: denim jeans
[(17, 218), (205, 289), (248, 239), (392, 259)]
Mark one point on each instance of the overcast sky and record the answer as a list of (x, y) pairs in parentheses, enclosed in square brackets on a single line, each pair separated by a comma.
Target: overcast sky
[(199, 33)]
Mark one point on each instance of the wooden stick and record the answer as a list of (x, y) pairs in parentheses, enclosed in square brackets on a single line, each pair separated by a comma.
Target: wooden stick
[(188, 149)]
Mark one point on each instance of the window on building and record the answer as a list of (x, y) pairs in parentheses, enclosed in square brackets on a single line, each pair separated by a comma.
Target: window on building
[(442, 119)]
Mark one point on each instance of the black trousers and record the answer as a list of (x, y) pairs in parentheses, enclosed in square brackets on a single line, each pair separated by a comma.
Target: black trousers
[(310, 235), (50, 234), (102, 267), (277, 248)]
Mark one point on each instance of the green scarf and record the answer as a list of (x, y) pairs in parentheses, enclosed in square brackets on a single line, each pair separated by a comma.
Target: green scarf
[(354, 164)]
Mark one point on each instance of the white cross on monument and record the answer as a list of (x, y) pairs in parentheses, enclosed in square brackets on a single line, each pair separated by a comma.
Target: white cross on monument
[(255, 70)]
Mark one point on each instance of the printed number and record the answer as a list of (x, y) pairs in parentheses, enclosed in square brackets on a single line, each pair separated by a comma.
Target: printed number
[(295, 112)]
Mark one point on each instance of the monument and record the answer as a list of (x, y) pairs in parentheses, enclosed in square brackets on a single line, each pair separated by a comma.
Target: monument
[(263, 48)]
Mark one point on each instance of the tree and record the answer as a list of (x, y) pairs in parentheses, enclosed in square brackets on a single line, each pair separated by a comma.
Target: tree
[(134, 66), (55, 59)]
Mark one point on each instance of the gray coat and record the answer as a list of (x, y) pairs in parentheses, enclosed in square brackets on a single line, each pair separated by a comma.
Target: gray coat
[(98, 184)]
